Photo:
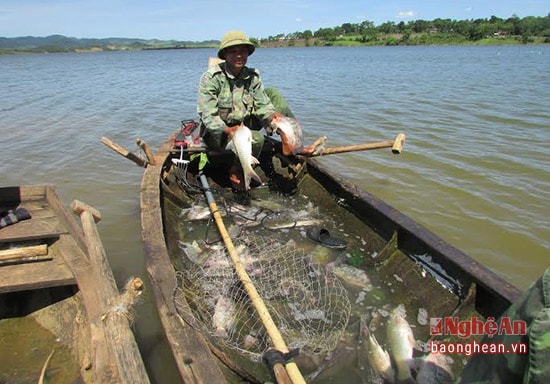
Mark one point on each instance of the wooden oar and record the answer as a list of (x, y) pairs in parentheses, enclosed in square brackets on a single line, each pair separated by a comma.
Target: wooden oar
[(395, 145), (291, 369)]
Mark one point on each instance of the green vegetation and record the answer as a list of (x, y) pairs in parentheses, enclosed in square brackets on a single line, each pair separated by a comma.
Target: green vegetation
[(492, 31), (514, 30)]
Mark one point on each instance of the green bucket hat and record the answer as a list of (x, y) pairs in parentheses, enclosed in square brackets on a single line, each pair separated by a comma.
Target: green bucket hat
[(233, 38)]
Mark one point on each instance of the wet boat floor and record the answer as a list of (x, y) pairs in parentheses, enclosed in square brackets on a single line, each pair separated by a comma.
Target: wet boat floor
[(394, 277)]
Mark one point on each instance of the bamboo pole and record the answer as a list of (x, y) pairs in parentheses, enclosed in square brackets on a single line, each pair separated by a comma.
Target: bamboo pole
[(291, 368), (396, 146)]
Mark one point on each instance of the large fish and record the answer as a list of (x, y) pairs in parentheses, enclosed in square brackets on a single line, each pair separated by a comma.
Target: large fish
[(291, 134), (401, 340), (241, 144), (379, 359)]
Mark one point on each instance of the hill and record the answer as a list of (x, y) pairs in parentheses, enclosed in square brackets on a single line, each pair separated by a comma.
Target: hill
[(60, 43)]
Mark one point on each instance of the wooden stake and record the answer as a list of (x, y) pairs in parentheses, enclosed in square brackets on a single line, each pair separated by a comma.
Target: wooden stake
[(123, 152), (145, 147)]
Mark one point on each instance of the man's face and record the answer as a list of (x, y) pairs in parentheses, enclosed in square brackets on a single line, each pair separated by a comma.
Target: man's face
[(236, 57)]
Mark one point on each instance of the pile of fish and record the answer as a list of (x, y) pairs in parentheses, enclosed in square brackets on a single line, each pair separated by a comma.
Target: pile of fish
[(433, 368)]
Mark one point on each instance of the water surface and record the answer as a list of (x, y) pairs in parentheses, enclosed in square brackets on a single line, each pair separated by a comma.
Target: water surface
[(475, 168)]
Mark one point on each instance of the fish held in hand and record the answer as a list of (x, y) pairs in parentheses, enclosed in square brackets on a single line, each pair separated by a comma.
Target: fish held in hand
[(241, 144), (291, 134)]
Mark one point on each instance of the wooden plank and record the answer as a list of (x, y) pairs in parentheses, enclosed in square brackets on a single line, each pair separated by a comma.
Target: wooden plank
[(66, 218), (32, 229), (27, 250), (27, 276), (116, 326), (14, 195)]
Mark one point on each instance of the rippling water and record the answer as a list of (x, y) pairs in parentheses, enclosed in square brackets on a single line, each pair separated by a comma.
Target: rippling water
[(475, 169)]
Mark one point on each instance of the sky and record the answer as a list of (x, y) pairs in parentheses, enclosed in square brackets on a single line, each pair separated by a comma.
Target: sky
[(199, 20)]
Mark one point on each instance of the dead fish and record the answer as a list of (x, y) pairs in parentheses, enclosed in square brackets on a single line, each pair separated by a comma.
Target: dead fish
[(379, 358), (351, 275), (192, 251), (435, 369), (249, 341), (401, 340), (295, 224), (241, 144), (291, 134), (195, 212), (223, 319)]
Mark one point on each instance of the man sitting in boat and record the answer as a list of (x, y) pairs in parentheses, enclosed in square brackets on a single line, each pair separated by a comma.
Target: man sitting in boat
[(232, 94)]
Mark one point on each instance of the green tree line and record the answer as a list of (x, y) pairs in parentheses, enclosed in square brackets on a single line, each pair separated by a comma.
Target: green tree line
[(527, 30)]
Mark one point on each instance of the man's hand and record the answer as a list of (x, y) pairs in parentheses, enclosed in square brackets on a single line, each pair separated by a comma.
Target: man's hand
[(275, 116), (231, 130)]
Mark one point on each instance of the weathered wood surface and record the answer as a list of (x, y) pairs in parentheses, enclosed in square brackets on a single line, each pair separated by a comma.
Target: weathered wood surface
[(32, 229), (116, 327), (23, 252), (193, 358), (42, 274), (54, 226)]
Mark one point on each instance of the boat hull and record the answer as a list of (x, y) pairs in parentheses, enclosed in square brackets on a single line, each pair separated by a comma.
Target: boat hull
[(417, 267)]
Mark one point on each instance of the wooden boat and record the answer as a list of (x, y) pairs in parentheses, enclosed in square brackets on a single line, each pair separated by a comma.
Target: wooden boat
[(410, 264), (56, 297)]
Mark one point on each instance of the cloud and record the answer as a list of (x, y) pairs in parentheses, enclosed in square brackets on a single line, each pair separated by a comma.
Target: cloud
[(298, 19), (468, 9), (405, 14)]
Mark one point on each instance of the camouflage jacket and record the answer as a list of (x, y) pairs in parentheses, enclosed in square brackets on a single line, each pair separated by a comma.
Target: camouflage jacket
[(532, 367), (225, 100)]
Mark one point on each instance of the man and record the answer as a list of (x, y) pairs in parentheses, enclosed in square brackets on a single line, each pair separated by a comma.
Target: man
[(230, 93)]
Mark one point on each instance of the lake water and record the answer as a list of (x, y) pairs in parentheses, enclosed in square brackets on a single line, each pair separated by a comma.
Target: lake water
[(475, 168)]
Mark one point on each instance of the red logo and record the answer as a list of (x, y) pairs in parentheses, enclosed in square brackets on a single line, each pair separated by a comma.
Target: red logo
[(436, 326)]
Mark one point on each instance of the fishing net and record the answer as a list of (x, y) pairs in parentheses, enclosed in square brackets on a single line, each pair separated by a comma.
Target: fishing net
[(308, 304)]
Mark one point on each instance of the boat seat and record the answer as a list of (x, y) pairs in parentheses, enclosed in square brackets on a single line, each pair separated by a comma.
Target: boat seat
[(32, 229)]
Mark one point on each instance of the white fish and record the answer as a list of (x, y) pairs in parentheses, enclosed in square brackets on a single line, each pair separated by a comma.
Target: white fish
[(379, 358), (350, 275), (224, 317), (435, 369), (241, 144), (197, 212), (401, 340), (291, 134)]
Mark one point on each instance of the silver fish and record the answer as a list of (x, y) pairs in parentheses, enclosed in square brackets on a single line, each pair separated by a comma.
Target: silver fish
[(291, 134), (435, 369), (379, 358), (350, 275), (401, 340), (223, 319), (241, 144)]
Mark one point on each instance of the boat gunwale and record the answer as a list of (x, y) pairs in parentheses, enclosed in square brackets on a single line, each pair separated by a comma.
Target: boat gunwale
[(463, 266), (192, 355)]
